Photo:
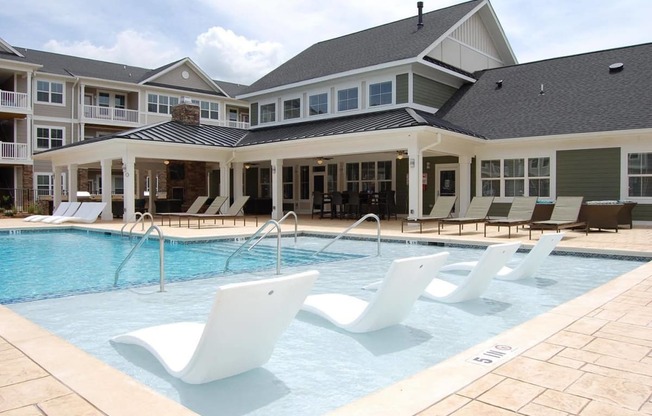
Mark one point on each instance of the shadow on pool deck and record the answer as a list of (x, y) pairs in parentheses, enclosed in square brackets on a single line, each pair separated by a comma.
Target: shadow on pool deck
[(590, 356)]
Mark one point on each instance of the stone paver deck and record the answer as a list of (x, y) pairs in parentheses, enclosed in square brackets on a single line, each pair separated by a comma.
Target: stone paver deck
[(590, 356)]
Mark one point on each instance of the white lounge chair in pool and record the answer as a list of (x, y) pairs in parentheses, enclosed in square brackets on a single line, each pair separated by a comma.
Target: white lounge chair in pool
[(73, 207), (87, 213), (244, 324), (474, 284), (526, 268), (390, 305), (60, 210)]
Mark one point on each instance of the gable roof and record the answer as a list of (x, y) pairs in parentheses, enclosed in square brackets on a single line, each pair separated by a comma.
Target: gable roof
[(580, 95), (391, 42)]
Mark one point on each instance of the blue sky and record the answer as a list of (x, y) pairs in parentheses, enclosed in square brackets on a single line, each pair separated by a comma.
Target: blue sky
[(240, 41)]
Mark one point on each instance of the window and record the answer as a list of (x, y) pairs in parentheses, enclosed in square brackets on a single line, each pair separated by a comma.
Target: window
[(120, 101), (304, 182), (44, 184), (639, 173), (318, 104), (288, 183), (265, 182), (103, 99), (331, 177), (347, 99), (209, 110), (508, 177), (268, 113), (49, 92), (291, 109), (48, 138), (380, 93), (161, 104), (369, 176)]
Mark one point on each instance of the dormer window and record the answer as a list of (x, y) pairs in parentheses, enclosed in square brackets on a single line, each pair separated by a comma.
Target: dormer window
[(291, 108), (268, 113), (347, 99), (318, 104), (380, 93)]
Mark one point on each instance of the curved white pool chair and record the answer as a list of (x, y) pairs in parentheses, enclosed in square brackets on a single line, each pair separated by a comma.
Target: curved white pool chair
[(244, 324), (474, 284), (61, 209), (403, 284), (70, 209), (526, 268), (87, 213)]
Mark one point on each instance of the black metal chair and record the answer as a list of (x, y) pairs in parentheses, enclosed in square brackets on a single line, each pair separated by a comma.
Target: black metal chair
[(337, 205), (317, 204)]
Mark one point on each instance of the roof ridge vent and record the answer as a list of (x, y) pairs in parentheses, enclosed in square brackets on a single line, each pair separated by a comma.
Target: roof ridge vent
[(616, 67)]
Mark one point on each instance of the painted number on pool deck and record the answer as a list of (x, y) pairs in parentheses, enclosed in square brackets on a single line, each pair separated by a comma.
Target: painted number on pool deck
[(493, 355)]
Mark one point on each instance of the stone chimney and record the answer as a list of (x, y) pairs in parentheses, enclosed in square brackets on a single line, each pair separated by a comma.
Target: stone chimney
[(186, 112)]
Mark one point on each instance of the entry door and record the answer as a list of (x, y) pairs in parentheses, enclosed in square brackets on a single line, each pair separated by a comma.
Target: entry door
[(318, 182), (446, 182)]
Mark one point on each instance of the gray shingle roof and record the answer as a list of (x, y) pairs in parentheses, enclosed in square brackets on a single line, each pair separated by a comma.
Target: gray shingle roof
[(382, 44), (580, 95)]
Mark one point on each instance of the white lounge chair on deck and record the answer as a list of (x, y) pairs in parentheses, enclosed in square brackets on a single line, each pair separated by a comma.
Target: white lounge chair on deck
[(474, 284), (73, 207), (244, 324), (60, 210), (525, 268), (87, 213), (403, 284)]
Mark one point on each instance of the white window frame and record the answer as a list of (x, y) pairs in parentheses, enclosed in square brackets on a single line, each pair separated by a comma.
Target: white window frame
[(362, 183), (315, 94), (347, 87), (526, 178), (49, 138), (274, 113), (171, 102), (625, 152), (377, 82), (49, 92), (292, 98)]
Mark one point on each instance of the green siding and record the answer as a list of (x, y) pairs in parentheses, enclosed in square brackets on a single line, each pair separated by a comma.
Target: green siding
[(402, 83), (431, 93), (642, 213), (253, 114), (402, 170), (430, 191), (591, 173)]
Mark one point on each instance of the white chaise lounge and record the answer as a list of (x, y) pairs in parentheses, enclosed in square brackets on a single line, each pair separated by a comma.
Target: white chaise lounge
[(390, 305), (87, 213), (73, 207), (244, 324), (476, 282), (63, 206), (526, 268)]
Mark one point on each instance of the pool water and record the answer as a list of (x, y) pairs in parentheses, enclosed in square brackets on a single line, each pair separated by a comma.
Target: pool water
[(41, 265), (316, 368)]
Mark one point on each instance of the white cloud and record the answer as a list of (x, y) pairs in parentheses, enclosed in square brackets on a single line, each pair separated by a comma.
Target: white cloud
[(130, 47), (230, 57)]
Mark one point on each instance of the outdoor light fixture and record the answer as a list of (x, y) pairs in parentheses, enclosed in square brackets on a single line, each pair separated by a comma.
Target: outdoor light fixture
[(247, 165), (166, 162), (400, 154), (320, 161)]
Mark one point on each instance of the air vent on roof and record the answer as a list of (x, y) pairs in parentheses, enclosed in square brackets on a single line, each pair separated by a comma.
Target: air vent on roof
[(499, 84), (617, 67), (420, 8)]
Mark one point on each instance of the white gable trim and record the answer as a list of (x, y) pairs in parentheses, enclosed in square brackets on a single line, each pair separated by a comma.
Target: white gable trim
[(8, 48), (198, 70)]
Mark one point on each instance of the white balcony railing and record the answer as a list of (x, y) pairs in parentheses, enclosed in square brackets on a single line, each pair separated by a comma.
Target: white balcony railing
[(13, 100), (14, 151), (229, 123), (94, 112)]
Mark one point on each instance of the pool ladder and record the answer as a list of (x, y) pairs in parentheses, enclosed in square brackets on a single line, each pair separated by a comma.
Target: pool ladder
[(140, 218), (360, 221), (256, 234), (161, 251)]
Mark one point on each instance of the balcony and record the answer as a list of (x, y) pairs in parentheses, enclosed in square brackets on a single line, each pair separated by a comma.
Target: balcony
[(110, 114), (14, 151), (13, 101)]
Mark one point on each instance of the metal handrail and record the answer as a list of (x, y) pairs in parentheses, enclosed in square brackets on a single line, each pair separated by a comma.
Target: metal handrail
[(296, 226), (340, 235), (161, 251), (127, 223), (278, 245), (141, 220)]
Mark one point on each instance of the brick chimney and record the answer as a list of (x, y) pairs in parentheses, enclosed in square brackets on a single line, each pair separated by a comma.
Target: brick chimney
[(186, 112)]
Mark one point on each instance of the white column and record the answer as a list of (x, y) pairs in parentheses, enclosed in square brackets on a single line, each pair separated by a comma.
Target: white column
[(238, 180), (152, 192), (129, 178), (107, 214), (225, 181), (58, 171), (277, 189), (415, 191), (72, 182), (465, 183)]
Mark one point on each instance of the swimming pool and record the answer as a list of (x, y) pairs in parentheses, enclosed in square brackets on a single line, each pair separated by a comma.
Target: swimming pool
[(315, 367)]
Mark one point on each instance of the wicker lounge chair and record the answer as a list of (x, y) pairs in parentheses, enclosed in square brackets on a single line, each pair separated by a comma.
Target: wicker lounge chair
[(442, 209), (476, 213), (565, 215), (520, 213)]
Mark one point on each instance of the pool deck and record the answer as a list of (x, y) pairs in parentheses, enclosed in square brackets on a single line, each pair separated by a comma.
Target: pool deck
[(590, 356)]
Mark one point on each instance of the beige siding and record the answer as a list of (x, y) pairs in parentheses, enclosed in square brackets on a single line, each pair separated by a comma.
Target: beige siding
[(54, 110), (42, 166), (175, 78)]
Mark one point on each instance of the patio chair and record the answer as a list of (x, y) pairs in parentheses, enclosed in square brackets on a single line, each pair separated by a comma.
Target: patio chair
[(69, 212), (442, 209), (476, 282), (212, 209), (240, 334), (565, 215), (520, 213), (87, 213), (403, 284), (526, 268), (475, 214), (233, 212), (317, 204), (60, 210), (192, 209)]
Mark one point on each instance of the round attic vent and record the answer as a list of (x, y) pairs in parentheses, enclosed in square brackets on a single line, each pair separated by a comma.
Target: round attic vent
[(618, 66)]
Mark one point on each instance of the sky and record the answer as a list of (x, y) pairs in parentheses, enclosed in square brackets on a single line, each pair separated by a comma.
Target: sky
[(240, 41)]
